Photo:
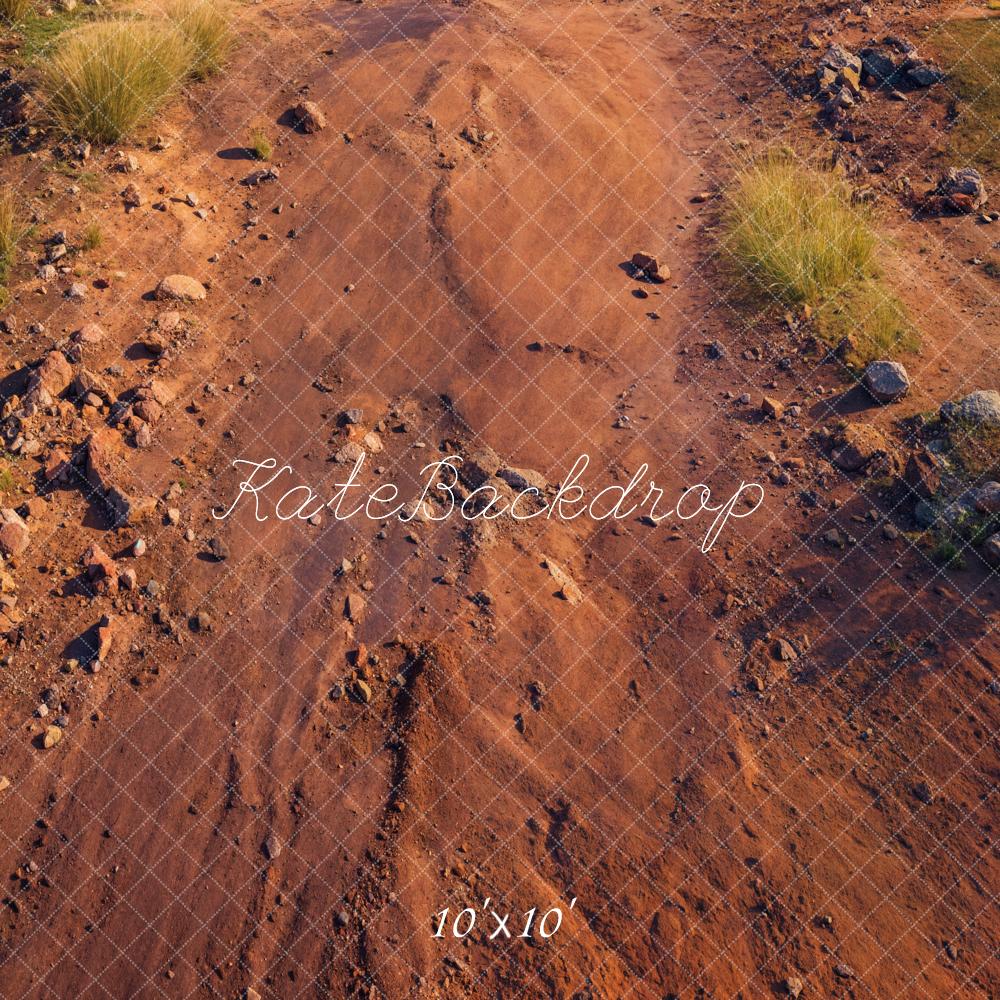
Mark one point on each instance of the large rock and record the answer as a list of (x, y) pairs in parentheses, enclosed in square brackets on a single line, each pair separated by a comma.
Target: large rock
[(962, 189), (864, 446), (886, 381), (980, 408), (180, 288)]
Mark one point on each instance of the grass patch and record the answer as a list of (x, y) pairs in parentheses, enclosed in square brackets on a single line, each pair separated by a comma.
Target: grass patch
[(14, 11), (976, 451), (947, 554), (107, 78), (792, 233), (969, 51), (13, 229), (93, 237), (8, 484), (206, 27), (260, 145), (40, 32)]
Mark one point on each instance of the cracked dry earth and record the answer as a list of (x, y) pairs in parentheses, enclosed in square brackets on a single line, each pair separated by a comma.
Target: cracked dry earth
[(373, 721)]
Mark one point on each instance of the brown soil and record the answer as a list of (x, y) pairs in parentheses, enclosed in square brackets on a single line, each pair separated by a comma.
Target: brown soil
[(717, 839)]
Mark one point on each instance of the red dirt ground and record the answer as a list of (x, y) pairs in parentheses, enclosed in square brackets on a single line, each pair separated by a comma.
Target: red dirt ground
[(717, 840)]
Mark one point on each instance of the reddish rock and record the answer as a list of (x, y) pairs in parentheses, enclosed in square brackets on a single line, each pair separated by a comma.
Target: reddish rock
[(645, 265), (861, 445), (105, 637), (770, 407), (105, 450), (14, 537), (922, 474), (101, 570), (57, 466), (53, 375), (309, 117)]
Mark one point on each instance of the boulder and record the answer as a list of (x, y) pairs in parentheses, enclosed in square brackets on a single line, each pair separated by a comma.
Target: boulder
[(89, 333), (962, 189), (180, 288), (886, 381), (309, 117), (980, 408), (861, 445)]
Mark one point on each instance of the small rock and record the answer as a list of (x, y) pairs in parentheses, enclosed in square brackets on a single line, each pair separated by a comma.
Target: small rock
[(51, 737), (218, 548), (770, 407), (180, 288), (309, 117), (645, 265)]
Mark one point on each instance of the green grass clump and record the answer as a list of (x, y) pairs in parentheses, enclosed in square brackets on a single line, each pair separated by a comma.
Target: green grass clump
[(8, 484), (108, 77), (207, 28), (969, 51), (12, 230), (14, 11), (260, 145), (793, 233)]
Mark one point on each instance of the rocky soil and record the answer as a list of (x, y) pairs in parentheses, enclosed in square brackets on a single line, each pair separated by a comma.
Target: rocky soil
[(256, 758)]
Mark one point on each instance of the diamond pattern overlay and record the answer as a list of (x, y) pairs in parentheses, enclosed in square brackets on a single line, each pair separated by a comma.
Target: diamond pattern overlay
[(765, 770)]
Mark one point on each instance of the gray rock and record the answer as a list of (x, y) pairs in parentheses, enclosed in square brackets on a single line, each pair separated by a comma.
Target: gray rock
[(981, 408), (886, 381), (923, 74), (991, 549), (964, 182), (879, 66), (837, 58)]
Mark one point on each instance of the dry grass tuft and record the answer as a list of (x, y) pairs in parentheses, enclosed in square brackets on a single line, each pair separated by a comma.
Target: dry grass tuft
[(206, 26), (109, 77), (14, 11), (260, 145), (12, 230), (792, 233)]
